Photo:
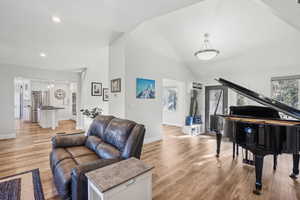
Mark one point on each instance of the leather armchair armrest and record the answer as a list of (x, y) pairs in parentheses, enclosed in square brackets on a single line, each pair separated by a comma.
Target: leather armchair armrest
[(68, 140), (79, 180), (134, 145)]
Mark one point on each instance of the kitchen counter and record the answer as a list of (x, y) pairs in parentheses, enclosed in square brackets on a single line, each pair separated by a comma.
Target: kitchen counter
[(48, 116), (50, 108)]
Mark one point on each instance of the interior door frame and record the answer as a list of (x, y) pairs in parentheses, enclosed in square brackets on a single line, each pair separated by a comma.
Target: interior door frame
[(225, 101), (21, 106)]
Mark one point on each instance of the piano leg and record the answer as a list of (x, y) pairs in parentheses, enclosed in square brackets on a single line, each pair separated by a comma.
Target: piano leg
[(219, 138), (259, 161), (233, 150), (295, 166), (275, 162)]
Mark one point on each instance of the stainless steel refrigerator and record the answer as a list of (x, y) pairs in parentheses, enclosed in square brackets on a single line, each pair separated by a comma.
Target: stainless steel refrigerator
[(36, 103)]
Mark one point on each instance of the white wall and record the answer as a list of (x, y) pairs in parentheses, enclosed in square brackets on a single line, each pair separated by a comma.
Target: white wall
[(7, 75), (97, 70), (253, 70), (143, 63), (117, 70), (148, 55), (144, 53), (39, 85), (177, 117)]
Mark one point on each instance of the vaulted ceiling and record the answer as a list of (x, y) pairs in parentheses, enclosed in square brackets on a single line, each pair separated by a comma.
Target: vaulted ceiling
[(236, 27), (287, 10), (27, 29)]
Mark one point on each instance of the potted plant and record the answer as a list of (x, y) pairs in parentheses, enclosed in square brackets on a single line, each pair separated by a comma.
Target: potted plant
[(90, 115)]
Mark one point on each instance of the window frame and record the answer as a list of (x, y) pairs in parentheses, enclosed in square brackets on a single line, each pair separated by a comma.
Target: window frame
[(282, 78)]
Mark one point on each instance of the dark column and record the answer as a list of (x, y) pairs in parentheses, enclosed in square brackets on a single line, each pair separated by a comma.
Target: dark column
[(233, 149), (275, 162), (295, 166), (219, 138), (259, 161)]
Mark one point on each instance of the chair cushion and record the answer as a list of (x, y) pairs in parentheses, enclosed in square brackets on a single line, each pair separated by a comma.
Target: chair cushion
[(62, 177), (58, 155), (117, 132), (99, 125), (86, 159), (92, 142), (107, 151), (79, 151)]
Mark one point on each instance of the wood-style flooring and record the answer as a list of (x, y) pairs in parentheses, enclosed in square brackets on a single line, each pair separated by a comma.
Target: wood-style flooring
[(185, 167)]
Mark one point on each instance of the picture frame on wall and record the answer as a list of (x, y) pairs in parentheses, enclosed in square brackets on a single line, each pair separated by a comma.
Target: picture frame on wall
[(115, 85), (170, 99), (145, 88), (96, 89), (105, 94)]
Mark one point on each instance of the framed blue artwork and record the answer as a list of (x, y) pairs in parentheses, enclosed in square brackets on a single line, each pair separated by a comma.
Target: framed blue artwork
[(145, 88)]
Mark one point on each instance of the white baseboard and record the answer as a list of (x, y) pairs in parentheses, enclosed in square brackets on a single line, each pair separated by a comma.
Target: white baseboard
[(7, 136), (152, 139), (173, 124)]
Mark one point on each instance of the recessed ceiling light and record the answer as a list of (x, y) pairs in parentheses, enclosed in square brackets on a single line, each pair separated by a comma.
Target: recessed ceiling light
[(56, 19), (42, 54)]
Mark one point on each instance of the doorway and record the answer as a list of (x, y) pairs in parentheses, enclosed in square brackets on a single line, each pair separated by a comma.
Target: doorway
[(174, 102), (36, 98), (22, 99), (212, 96)]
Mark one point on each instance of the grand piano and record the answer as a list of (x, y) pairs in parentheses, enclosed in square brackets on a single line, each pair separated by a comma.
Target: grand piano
[(260, 130)]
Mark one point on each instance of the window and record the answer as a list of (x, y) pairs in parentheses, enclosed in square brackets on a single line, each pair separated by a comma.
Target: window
[(241, 100), (244, 101), (286, 90)]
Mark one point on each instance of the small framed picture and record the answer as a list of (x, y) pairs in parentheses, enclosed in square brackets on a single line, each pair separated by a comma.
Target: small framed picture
[(105, 94), (96, 89), (115, 85)]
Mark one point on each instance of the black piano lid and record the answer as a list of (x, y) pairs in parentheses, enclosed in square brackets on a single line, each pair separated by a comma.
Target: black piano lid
[(261, 99)]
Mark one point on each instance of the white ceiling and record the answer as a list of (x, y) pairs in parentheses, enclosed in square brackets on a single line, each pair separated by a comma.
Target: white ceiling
[(87, 26), (288, 10), (237, 27)]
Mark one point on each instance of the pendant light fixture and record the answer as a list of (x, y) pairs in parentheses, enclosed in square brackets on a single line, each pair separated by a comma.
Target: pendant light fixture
[(207, 53)]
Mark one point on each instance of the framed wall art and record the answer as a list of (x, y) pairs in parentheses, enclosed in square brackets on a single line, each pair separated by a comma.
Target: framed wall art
[(105, 94), (96, 89), (170, 98), (145, 88), (115, 85)]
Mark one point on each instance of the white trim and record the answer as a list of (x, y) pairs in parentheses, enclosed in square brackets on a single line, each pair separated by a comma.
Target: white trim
[(172, 124), (278, 78), (7, 136), (152, 139)]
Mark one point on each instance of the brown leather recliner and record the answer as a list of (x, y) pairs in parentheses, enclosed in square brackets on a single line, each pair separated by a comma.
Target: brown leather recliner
[(108, 140)]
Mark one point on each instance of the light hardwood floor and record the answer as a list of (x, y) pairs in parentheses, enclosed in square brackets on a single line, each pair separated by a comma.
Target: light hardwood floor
[(185, 167)]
